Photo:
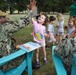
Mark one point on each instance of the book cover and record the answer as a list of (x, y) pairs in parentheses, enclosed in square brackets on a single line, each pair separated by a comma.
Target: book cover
[(29, 46)]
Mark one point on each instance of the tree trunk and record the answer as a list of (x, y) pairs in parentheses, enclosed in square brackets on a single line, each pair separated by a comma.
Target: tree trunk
[(11, 11)]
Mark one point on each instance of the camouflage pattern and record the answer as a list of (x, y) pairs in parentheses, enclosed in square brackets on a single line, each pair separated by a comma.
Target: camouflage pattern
[(65, 50), (6, 43), (7, 28)]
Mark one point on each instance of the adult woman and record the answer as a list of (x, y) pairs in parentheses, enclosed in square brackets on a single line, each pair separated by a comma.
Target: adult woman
[(66, 49)]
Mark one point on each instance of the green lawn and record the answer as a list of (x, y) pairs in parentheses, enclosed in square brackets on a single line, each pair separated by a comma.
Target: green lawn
[(24, 35)]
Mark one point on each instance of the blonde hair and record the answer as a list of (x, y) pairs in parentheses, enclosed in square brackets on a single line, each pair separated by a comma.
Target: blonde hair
[(60, 17)]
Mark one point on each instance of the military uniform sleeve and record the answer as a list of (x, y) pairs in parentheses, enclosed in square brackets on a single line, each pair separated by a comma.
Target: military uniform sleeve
[(13, 26)]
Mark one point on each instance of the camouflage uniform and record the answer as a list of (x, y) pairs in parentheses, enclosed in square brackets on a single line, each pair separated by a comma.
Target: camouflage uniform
[(65, 50), (6, 44)]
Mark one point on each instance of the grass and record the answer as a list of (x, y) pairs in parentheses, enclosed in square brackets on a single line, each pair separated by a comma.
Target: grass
[(24, 35)]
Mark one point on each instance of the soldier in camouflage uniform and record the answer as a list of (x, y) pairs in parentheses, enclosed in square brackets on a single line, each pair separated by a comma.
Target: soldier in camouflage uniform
[(66, 49), (7, 28)]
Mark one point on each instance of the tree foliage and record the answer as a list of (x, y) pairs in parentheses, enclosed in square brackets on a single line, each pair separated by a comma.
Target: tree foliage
[(54, 5), (43, 5)]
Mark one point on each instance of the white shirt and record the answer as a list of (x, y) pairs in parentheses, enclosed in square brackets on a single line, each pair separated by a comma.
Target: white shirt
[(60, 26), (50, 28)]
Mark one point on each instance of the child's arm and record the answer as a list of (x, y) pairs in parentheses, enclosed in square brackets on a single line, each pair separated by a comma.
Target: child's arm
[(46, 35), (34, 22), (32, 19), (49, 34)]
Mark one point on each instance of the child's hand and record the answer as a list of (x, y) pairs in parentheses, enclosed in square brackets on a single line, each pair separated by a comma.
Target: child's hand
[(47, 35), (32, 33), (65, 27), (56, 26)]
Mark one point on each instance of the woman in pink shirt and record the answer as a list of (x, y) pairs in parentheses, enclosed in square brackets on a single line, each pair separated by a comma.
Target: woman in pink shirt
[(39, 33)]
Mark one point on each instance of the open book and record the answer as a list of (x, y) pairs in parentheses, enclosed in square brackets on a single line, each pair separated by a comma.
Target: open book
[(29, 46)]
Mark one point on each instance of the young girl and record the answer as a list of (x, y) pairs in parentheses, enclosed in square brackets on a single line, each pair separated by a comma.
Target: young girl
[(39, 33), (71, 26), (60, 27)]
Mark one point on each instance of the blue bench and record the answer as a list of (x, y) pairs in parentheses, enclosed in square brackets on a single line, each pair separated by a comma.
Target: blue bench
[(19, 69), (27, 62), (74, 66), (60, 70)]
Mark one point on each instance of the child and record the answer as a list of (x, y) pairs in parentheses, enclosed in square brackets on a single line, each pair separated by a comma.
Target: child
[(60, 27), (71, 26), (39, 34), (66, 49), (50, 30)]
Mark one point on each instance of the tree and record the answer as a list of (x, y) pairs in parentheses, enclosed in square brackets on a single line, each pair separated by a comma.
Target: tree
[(21, 5), (43, 5), (3, 5)]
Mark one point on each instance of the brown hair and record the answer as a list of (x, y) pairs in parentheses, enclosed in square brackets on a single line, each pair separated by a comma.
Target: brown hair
[(71, 19), (46, 19), (75, 23), (74, 20)]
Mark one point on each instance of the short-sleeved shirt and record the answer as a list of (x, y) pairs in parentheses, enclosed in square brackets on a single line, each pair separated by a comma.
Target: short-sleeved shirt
[(50, 28), (70, 30), (38, 32), (60, 26)]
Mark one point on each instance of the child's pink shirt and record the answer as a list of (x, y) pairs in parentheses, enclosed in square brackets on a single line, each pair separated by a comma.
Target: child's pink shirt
[(38, 32)]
